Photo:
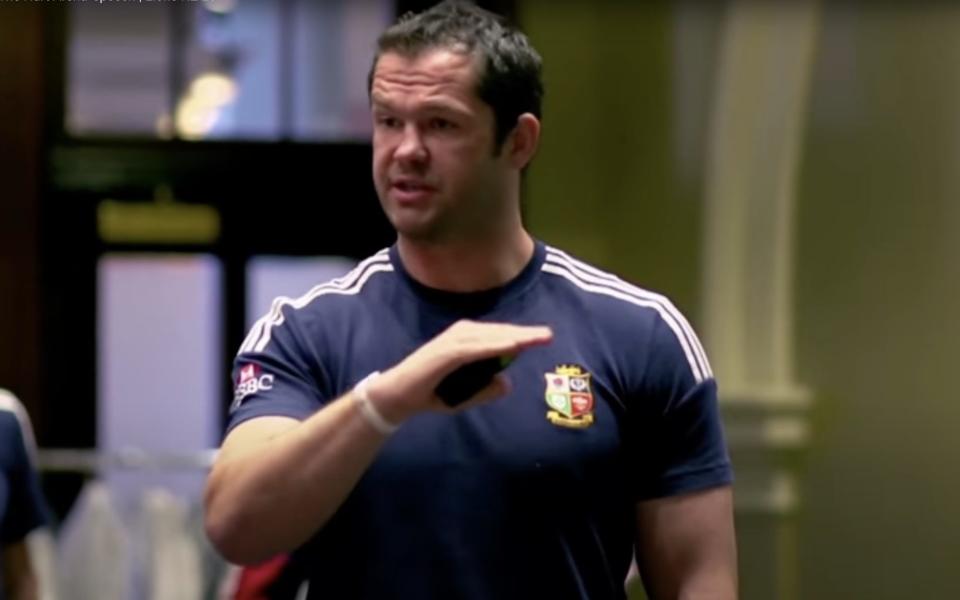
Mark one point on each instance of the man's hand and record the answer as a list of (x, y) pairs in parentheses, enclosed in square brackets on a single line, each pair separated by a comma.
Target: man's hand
[(409, 387)]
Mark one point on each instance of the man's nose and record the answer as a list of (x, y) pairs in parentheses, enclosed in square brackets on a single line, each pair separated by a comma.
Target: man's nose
[(411, 146)]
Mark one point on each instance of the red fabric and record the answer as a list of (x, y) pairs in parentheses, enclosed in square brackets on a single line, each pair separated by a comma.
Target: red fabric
[(255, 581)]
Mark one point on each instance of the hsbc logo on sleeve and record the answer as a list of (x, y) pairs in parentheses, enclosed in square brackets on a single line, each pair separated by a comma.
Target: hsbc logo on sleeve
[(252, 380)]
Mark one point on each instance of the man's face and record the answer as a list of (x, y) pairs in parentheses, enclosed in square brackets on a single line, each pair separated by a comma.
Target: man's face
[(433, 152)]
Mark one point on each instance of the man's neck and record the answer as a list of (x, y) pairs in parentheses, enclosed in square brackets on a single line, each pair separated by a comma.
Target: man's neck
[(469, 265)]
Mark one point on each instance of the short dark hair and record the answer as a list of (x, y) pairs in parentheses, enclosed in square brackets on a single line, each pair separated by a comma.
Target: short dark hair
[(510, 71)]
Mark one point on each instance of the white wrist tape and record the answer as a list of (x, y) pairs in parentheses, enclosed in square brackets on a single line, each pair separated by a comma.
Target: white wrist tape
[(368, 410)]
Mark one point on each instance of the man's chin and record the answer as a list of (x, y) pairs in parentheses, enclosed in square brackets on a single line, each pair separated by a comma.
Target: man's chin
[(419, 232), (427, 231)]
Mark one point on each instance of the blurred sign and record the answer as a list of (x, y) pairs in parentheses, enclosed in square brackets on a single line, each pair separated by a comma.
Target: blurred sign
[(162, 221)]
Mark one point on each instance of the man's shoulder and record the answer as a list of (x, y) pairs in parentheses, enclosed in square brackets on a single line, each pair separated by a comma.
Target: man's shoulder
[(331, 303), (627, 315), (335, 294), (605, 294), (356, 284)]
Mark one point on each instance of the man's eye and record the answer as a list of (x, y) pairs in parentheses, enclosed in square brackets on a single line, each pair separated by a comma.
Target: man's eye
[(441, 124), (389, 122)]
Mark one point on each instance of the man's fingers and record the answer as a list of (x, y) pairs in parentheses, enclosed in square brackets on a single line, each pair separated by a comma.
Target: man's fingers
[(530, 336), (488, 339)]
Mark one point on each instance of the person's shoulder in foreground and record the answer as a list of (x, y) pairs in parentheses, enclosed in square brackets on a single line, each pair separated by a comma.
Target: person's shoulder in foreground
[(22, 508)]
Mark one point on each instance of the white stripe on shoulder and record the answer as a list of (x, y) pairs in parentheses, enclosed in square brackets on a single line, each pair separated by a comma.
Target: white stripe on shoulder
[(667, 312), (592, 274), (348, 284)]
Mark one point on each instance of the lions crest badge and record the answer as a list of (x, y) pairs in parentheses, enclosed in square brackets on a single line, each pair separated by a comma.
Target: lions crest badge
[(569, 397)]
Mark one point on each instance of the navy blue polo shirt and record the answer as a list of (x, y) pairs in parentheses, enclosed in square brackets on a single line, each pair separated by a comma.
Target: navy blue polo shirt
[(530, 496), (22, 508)]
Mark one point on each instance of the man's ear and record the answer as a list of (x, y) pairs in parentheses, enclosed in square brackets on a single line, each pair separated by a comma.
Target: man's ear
[(523, 141)]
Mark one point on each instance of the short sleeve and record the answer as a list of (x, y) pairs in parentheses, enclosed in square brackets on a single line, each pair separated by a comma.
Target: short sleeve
[(277, 372), (26, 509), (676, 436)]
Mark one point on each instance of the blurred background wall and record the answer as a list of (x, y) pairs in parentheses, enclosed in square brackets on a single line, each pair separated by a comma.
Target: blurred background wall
[(877, 329), (622, 179)]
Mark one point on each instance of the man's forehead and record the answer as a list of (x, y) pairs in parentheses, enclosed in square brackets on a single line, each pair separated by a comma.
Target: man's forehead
[(442, 79), (431, 66)]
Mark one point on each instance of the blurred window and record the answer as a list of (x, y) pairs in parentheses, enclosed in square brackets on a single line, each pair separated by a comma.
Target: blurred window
[(159, 361), (222, 69)]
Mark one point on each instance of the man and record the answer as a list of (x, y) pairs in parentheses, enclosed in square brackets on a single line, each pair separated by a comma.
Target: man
[(22, 508), (600, 438)]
